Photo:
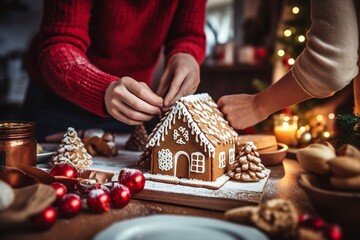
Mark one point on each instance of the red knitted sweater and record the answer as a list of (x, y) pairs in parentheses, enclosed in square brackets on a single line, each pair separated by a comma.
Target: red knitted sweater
[(83, 45)]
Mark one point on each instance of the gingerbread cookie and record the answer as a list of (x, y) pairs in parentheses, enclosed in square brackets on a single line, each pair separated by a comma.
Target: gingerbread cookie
[(277, 217)]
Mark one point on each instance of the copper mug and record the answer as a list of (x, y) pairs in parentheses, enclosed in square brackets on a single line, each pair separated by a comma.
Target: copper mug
[(17, 143)]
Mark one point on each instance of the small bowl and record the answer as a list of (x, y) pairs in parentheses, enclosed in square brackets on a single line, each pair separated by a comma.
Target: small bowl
[(274, 157), (336, 206)]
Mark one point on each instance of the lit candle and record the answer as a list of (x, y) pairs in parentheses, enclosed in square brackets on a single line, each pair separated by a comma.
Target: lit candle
[(285, 128)]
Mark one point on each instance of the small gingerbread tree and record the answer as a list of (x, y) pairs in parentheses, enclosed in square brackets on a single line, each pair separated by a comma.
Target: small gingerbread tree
[(138, 139), (71, 150), (247, 166)]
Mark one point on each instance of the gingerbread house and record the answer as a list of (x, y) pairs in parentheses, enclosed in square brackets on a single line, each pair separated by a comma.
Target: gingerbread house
[(192, 141)]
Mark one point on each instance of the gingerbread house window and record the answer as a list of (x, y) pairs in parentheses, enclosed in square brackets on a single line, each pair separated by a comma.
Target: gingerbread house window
[(197, 162), (231, 156), (222, 160)]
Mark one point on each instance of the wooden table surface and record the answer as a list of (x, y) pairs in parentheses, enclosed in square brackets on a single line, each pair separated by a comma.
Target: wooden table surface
[(281, 184)]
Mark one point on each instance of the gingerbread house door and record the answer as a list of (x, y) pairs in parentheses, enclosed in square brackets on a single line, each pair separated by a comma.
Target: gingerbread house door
[(182, 164)]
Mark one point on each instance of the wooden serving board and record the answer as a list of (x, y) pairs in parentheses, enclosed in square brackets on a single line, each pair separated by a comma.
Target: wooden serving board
[(232, 194)]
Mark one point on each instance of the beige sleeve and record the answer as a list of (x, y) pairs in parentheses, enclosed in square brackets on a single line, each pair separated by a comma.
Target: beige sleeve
[(329, 61)]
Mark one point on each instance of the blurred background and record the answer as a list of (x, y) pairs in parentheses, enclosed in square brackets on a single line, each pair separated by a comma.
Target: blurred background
[(250, 44)]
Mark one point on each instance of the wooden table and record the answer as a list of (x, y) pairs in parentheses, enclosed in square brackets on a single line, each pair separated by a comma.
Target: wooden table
[(281, 184)]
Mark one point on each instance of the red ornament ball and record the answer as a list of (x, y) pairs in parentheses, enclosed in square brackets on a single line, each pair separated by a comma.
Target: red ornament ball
[(69, 205), (133, 179), (99, 186), (120, 196), (261, 54), (64, 169), (98, 201), (60, 190), (45, 219)]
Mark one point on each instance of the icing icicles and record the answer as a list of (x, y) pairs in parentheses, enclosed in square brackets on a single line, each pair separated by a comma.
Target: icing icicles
[(204, 121)]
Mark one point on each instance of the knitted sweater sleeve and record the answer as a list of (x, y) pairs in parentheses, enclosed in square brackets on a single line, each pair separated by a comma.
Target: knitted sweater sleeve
[(64, 41), (186, 33), (329, 61)]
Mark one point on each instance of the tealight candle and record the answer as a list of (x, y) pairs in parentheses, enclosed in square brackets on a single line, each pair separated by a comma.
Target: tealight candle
[(285, 128)]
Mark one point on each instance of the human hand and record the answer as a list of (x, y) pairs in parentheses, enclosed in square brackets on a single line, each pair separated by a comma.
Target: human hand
[(241, 110), (181, 77), (132, 102)]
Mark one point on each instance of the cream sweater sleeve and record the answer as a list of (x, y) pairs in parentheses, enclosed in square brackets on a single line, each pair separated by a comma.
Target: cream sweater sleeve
[(329, 61)]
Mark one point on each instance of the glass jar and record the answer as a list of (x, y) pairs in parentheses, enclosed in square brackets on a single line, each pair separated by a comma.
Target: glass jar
[(285, 127), (18, 143)]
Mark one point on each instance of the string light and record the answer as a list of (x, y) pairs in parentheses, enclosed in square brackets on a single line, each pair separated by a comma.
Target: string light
[(287, 33), (291, 61), (295, 10), (326, 134), (281, 53), (319, 118), (301, 38), (331, 116)]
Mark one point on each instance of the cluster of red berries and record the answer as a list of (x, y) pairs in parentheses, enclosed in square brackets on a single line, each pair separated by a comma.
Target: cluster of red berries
[(317, 224), (99, 197)]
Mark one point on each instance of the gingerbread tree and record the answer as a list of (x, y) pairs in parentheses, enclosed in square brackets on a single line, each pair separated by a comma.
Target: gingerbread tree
[(71, 150), (138, 139), (247, 166)]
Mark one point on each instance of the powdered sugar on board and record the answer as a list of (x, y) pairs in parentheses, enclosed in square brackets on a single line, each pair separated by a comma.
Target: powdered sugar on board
[(218, 183), (232, 194)]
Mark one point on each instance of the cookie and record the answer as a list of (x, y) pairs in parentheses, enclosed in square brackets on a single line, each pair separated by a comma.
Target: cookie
[(314, 158), (351, 183), (344, 167)]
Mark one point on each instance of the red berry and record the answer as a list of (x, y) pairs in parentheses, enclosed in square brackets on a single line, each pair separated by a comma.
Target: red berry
[(133, 179), (69, 205), (120, 196), (60, 190), (333, 232), (315, 223), (45, 219), (64, 169), (303, 218)]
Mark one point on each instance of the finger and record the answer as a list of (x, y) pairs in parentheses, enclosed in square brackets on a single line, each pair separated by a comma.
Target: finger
[(221, 102), (145, 94), (174, 87), (164, 83), (185, 89), (145, 85), (131, 113), (123, 118), (138, 104)]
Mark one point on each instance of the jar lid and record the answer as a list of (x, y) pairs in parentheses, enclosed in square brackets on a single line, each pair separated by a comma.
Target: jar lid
[(16, 129)]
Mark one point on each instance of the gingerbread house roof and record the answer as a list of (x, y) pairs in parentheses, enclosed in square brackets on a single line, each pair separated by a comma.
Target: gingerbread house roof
[(203, 118)]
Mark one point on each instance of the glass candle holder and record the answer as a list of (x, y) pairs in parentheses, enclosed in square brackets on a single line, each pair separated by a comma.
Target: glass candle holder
[(285, 127)]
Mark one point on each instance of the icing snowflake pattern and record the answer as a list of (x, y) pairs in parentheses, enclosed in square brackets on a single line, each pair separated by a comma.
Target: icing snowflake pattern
[(180, 135), (165, 162)]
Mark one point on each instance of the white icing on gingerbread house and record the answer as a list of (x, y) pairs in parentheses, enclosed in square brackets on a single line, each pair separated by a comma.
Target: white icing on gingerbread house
[(192, 140)]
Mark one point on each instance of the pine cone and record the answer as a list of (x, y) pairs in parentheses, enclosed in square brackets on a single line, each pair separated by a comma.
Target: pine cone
[(145, 159), (138, 139)]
